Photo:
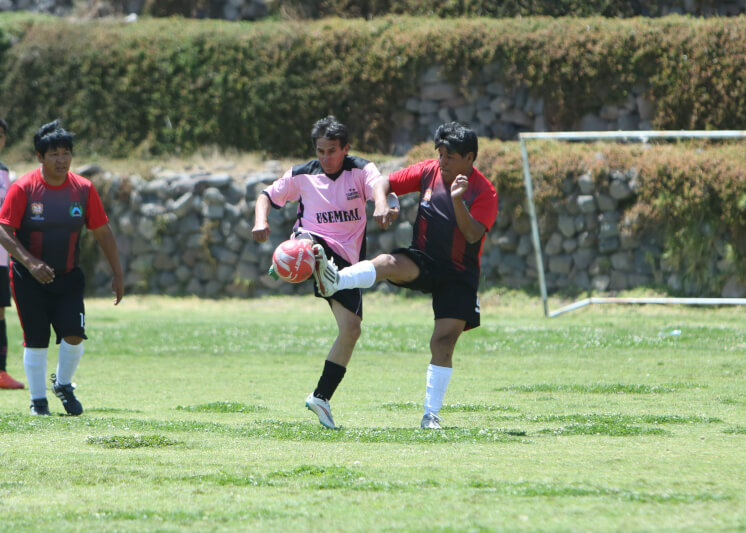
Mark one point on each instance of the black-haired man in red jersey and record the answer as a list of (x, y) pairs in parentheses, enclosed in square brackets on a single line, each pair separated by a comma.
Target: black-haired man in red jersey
[(40, 224), (458, 205)]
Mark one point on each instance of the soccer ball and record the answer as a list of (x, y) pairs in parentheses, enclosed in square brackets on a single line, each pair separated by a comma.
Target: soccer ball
[(293, 260)]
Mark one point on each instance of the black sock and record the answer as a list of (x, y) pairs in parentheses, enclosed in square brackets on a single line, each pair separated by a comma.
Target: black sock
[(3, 345), (329, 380)]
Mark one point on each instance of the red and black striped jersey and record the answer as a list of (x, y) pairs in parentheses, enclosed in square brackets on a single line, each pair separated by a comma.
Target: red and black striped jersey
[(436, 232), (4, 185), (48, 219)]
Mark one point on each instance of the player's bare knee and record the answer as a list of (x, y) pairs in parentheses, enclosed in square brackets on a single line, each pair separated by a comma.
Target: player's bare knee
[(73, 341), (444, 342), (351, 331), (395, 267), (384, 263)]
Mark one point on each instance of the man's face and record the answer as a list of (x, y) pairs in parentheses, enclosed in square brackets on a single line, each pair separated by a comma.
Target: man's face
[(331, 155), (2, 138), (452, 164), (55, 162)]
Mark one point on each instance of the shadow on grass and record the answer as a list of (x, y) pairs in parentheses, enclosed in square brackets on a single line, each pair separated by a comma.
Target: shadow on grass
[(222, 407), (602, 388), (556, 490), (124, 442)]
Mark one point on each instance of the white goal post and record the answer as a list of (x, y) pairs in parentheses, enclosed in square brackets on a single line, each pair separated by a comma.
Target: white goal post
[(642, 136)]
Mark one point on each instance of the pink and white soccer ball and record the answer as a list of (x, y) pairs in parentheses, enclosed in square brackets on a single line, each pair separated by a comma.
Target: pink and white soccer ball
[(293, 260)]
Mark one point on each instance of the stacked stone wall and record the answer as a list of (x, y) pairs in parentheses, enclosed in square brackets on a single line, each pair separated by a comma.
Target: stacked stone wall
[(189, 233)]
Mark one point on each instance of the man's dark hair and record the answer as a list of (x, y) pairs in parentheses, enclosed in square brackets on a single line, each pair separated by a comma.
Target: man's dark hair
[(4, 126), (51, 136), (456, 138), (330, 128)]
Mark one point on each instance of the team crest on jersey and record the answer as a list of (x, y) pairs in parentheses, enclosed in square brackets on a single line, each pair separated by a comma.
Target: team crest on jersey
[(426, 197), (37, 211), (76, 210), (352, 194)]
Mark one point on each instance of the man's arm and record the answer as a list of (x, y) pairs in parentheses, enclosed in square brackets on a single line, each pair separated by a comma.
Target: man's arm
[(472, 230), (387, 204), (108, 245), (38, 268), (260, 232)]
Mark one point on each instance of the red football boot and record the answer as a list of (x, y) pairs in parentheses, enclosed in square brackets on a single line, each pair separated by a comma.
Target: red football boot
[(7, 382)]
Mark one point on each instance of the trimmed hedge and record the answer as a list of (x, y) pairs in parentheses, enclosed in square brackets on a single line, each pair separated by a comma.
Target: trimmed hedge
[(314, 9), (476, 8), (171, 85), (687, 193)]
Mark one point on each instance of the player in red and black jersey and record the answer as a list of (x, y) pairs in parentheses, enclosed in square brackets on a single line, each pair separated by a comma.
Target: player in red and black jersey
[(40, 224), (6, 380), (458, 205)]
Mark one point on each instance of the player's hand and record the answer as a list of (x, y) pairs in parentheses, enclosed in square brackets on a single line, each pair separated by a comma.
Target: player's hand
[(260, 232), (117, 287), (42, 272), (385, 216), (459, 186)]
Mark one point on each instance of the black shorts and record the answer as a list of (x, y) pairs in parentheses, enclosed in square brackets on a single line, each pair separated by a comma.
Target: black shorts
[(351, 299), (58, 304), (451, 298), (4, 287)]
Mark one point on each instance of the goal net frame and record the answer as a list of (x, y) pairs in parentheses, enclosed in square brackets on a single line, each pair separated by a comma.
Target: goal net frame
[(642, 136)]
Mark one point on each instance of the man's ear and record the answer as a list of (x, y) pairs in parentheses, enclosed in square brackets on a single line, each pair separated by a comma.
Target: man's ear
[(39, 157)]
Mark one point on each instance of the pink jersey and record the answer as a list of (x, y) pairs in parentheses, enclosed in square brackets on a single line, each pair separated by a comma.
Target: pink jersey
[(333, 209)]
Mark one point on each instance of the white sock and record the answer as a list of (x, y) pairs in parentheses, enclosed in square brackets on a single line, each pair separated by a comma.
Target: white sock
[(35, 364), (437, 383), (67, 362), (361, 275)]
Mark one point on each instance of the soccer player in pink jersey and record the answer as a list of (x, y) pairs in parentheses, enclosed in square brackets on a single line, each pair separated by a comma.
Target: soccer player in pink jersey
[(458, 205), (6, 380), (331, 191), (40, 224)]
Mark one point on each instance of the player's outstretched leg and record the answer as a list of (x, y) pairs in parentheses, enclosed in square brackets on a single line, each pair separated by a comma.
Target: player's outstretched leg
[(67, 397), (325, 272), (322, 410)]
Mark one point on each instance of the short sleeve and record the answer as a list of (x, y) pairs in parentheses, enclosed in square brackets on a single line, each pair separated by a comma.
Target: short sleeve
[(14, 207), (407, 180), (95, 214), (283, 190)]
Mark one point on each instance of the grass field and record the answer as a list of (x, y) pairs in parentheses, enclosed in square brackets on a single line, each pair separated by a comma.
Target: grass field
[(599, 420)]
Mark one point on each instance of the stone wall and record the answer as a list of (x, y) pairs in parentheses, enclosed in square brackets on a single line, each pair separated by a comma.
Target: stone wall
[(497, 111), (190, 233)]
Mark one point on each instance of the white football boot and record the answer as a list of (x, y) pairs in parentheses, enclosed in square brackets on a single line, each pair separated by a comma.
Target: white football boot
[(322, 410), (325, 272), (431, 421)]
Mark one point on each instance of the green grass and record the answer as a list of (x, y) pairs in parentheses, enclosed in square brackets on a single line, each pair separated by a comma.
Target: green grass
[(194, 421)]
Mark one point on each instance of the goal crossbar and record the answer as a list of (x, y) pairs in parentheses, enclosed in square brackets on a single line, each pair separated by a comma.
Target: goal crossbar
[(642, 136)]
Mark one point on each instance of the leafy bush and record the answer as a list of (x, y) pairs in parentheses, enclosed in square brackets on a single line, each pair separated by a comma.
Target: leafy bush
[(482, 8), (172, 85)]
